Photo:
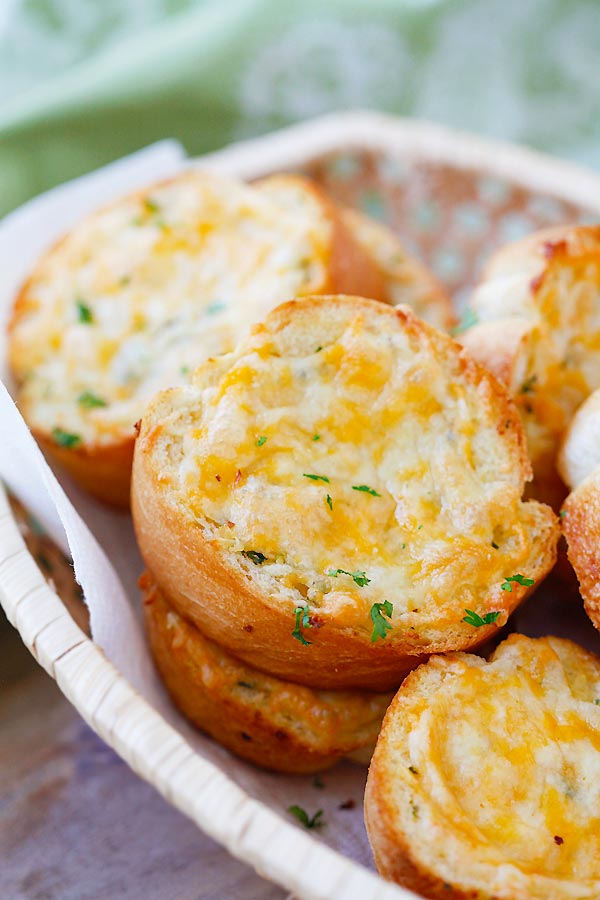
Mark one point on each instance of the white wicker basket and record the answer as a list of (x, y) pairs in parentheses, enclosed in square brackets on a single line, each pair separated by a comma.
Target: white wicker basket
[(443, 167)]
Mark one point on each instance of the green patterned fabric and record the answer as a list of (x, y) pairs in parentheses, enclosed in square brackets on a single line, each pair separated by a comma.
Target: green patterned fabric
[(83, 82)]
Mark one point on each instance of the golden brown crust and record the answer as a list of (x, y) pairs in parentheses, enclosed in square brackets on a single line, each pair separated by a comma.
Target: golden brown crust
[(274, 724), (103, 467), (456, 804), (581, 526), (229, 602)]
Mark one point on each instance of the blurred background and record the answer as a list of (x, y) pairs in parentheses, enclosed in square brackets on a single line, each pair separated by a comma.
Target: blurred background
[(83, 82)]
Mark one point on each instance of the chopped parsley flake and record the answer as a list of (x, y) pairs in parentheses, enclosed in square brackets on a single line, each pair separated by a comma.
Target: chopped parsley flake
[(365, 489), (254, 556), (316, 477), (380, 626), (597, 701), (150, 206), (495, 545), (89, 400), (65, 438), (315, 821), (84, 313), (316, 437), (318, 350), (329, 502), (474, 619), (359, 578), (302, 621), (412, 770), (528, 385), (261, 440), (519, 579), (185, 370), (562, 514), (469, 319)]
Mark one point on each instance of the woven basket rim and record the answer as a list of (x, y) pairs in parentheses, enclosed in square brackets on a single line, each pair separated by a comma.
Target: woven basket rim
[(249, 830)]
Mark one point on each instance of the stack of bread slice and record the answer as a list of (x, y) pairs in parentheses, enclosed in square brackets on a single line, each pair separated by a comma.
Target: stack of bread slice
[(139, 293), (320, 511)]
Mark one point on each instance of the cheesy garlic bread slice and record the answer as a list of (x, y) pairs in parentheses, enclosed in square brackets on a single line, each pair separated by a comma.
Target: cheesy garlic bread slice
[(273, 723), (485, 781), (340, 497), (579, 463), (538, 314), (140, 292)]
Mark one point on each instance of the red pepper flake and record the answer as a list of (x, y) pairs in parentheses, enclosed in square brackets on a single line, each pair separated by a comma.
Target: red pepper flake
[(536, 282), (558, 840), (218, 477), (315, 622), (248, 628), (238, 476), (348, 804), (149, 600), (551, 248), (231, 524), (137, 425)]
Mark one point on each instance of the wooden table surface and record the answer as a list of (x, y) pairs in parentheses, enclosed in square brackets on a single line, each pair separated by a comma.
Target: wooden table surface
[(77, 824)]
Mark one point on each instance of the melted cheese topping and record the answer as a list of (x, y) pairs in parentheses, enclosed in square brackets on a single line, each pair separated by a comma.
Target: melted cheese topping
[(139, 293), (338, 443), (503, 759), (559, 365)]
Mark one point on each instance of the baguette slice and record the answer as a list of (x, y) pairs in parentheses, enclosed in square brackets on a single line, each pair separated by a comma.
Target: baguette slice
[(539, 309), (407, 281), (485, 781), (327, 501), (273, 723), (139, 293), (580, 517)]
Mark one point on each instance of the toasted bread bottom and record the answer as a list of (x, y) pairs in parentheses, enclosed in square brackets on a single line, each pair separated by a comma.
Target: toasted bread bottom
[(273, 723)]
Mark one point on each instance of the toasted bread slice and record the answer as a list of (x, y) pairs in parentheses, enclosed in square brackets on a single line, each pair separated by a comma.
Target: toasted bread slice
[(580, 451), (140, 292), (539, 305), (406, 280), (485, 781), (275, 724), (329, 499), (579, 464)]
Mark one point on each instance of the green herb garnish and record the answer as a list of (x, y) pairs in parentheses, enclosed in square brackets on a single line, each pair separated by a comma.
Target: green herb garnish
[(302, 621), (528, 385), (562, 514), (597, 701), (316, 437), (365, 489), (318, 350), (254, 556), (316, 477), (469, 319), (519, 579), (495, 545), (89, 400), (359, 578), (380, 626), (84, 313), (474, 619), (329, 502), (315, 821), (261, 440), (65, 438), (150, 206)]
